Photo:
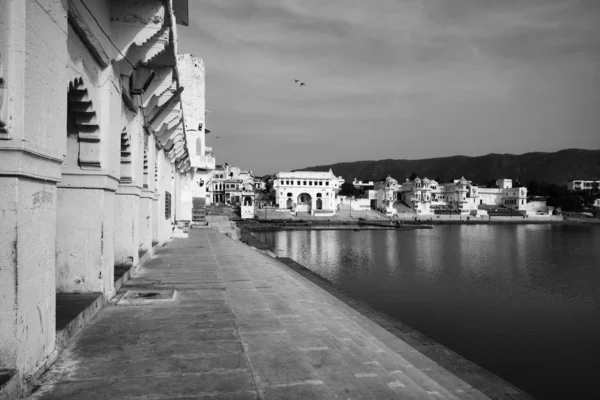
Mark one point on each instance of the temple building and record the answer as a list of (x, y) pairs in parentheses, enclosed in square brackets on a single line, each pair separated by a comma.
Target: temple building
[(307, 191), (228, 184), (574, 185), (95, 142), (425, 196), (386, 193), (192, 75)]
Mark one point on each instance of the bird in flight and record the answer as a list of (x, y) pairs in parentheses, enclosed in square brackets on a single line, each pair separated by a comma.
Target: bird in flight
[(296, 80), (302, 84)]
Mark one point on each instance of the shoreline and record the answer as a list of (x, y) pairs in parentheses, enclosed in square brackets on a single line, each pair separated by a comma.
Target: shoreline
[(356, 224), (478, 377)]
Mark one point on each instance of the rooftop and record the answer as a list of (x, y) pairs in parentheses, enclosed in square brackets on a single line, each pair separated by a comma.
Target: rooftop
[(306, 174)]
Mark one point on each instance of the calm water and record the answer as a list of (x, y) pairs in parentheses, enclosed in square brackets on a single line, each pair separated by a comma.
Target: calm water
[(522, 301)]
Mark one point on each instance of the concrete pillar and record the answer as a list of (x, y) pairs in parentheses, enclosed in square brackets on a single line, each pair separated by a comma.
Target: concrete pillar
[(127, 225), (85, 240), (32, 141), (154, 218), (145, 236), (27, 281)]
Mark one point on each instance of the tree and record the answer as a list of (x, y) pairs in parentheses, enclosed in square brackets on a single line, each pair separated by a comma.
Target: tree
[(347, 189), (533, 188)]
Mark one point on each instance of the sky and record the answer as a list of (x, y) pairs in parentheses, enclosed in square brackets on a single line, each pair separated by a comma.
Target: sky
[(400, 79)]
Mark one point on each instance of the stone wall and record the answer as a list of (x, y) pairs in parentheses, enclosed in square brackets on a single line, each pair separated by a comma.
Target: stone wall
[(32, 143), (83, 178)]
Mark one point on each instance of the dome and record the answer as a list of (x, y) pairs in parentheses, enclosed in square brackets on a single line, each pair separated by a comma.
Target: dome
[(426, 181), (390, 180), (433, 182), (417, 180), (463, 181)]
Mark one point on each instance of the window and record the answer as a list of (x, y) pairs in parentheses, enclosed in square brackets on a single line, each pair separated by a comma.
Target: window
[(298, 183), (289, 195), (309, 183), (304, 183), (320, 183), (319, 195), (326, 183), (287, 182), (167, 205)]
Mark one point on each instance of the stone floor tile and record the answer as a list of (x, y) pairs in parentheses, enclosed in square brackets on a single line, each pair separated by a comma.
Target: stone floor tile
[(242, 324)]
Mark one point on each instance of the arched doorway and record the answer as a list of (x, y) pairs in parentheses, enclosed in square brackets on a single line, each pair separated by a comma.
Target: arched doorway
[(247, 201), (319, 204), (304, 202), (289, 204)]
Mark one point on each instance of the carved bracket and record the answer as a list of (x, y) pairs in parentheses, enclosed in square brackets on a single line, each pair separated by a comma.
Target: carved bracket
[(87, 126), (126, 170)]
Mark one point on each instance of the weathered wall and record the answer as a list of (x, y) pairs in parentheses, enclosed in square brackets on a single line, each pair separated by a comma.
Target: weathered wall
[(127, 226), (190, 188), (192, 77), (165, 184), (57, 213), (27, 308), (145, 236), (32, 68), (85, 241)]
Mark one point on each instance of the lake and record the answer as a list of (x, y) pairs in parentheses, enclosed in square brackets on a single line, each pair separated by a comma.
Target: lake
[(522, 301)]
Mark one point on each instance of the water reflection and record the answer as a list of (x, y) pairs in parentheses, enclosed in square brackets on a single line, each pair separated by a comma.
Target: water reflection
[(514, 299)]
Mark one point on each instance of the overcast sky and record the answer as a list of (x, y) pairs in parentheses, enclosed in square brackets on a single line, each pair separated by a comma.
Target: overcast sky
[(402, 79)]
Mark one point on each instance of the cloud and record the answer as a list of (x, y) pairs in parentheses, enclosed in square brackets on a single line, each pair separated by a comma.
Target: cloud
[(395, 78)]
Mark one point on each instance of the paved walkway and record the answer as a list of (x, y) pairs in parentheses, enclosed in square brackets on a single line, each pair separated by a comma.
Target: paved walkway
[(241, 326)]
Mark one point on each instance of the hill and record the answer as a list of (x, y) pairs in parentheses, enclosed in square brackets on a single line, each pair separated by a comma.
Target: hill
[(557, 167)]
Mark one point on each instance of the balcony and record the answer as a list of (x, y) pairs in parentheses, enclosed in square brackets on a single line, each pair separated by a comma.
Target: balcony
[(203, 162)]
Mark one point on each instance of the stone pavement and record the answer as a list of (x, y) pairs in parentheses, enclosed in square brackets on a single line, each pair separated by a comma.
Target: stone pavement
[(241, 326)]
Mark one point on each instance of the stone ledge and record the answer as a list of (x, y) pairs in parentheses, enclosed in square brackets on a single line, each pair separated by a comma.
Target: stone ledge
[(64, 335), (30, 163), (10, 387), (129, 190), (88, 180)]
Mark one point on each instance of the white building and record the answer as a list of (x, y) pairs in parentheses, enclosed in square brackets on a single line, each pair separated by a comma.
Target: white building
[(226, 185), (363, 184), (307, 191), (579, 184), (386, 193), (193, 187), (425, 196)]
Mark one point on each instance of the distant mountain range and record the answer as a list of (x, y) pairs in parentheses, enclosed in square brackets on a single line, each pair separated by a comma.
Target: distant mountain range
[(556, 167)]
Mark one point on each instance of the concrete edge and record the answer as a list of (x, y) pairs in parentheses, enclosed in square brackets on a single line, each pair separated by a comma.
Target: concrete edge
[(74, 327), (415, 339), (64, 336), (10, 389)]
